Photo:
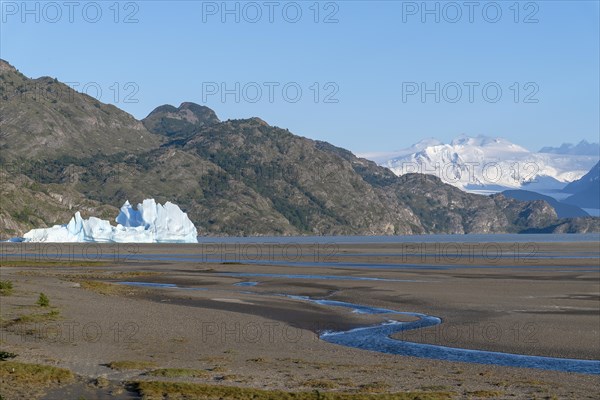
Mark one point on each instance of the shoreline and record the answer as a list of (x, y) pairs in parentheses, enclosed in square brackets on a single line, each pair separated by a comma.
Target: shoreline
[(344, 239)]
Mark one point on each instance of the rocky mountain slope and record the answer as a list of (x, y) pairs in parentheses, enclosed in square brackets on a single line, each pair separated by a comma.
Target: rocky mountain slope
[(26, 204), (43, 118), (179, 122), (236, 177)]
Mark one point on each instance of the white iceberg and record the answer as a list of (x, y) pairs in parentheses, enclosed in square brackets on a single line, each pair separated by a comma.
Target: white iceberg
[(149, 223)]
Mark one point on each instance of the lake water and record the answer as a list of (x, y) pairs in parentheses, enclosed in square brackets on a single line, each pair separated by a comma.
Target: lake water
[(488, 238), (377, 338)]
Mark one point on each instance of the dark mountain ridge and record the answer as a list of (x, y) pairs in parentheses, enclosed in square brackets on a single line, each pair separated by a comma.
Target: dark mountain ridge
[(562, 210), (583, 148), (586, 190), (236, 177)]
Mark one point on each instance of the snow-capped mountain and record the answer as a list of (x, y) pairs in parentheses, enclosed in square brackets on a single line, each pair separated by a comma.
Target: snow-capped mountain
[(382, 157), (487, 163)]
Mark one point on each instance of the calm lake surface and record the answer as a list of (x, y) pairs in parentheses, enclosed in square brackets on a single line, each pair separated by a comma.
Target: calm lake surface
[(491, 238)]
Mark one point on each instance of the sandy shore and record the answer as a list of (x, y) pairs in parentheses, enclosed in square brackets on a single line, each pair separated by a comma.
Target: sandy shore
[(543, 299)]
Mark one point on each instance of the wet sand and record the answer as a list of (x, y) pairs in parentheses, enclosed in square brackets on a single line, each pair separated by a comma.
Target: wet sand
[(538, 300)]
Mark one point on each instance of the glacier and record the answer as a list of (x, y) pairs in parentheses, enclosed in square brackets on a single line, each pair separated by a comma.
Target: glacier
[(149, 223)]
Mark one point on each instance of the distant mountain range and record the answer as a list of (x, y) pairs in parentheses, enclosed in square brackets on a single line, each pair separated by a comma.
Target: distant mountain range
[(583, 148), (586, 190), (494, 164), (562, 210), (61, 154)]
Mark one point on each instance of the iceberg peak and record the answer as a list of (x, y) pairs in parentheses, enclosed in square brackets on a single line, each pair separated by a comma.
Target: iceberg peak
[(148, 223)]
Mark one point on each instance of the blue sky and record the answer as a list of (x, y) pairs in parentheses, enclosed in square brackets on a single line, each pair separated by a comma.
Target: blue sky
[(361, 65)]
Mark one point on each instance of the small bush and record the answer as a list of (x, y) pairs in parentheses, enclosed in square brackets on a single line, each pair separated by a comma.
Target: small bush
[(6, 288), (4, 355), (43, 300)]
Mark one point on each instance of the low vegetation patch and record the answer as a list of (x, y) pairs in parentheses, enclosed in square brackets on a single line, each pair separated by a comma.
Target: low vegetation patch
[(320, 384), (32, 318), (178, 373), (42, 263), (218, 368), (188, 391), (485, 394), (115, 275), (6, 288), (125, 365), (105, 288), (89, 274), (374, 387), (435, 387), (33, 374), (229, 378), (101, 382)]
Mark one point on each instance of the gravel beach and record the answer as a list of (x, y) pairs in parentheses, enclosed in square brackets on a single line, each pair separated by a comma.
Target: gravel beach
[(106, 309)]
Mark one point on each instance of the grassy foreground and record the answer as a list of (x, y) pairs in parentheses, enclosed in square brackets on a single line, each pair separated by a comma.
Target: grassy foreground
[(183, 391)]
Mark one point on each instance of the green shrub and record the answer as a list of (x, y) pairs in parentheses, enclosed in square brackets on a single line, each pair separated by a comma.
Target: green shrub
[(43, 300), (6, 288), (4, 355)]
